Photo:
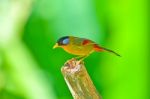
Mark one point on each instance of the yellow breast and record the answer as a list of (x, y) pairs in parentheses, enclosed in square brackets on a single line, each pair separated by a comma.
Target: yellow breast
[(78, 50)]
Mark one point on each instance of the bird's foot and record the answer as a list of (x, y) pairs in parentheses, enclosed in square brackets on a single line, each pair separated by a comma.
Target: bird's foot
[(73, 62), (70, 62)]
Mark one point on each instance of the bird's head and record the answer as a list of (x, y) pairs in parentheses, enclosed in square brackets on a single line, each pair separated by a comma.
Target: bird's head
[(63, 41)]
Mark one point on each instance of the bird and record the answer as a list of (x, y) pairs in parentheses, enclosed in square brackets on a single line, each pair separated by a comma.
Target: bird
[(81, 47)]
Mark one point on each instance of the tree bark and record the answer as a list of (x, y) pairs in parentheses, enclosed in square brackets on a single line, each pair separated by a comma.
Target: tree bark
[(79, 81)]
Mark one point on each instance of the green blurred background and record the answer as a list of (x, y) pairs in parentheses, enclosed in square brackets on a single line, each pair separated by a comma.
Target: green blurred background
[(30, 68)]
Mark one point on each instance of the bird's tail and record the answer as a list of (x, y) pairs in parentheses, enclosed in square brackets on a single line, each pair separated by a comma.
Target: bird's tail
[(99, 49)]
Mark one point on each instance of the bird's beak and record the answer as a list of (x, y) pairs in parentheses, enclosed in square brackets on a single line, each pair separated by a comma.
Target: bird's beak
[(55, 46)]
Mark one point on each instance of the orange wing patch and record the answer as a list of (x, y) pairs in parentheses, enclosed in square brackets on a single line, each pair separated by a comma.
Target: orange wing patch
[(85, 42)]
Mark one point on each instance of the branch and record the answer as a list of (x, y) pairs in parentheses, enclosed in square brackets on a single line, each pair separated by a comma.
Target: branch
[(79, 81)]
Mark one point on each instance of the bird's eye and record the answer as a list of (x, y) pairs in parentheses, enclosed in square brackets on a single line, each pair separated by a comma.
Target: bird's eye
[(65, 41)]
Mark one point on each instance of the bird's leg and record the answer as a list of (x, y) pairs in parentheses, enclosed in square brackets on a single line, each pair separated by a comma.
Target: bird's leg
[(78, 57), (83, 57)]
